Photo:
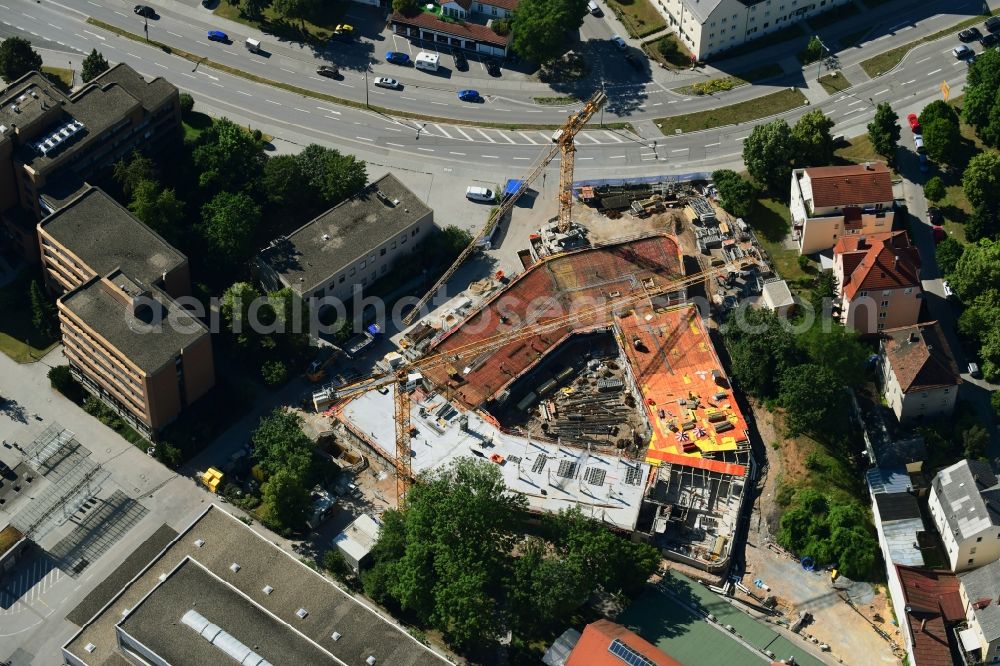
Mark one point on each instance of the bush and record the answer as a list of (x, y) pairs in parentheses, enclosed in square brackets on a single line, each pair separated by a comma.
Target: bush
[(187, 104), (501, 27), (275, 373), (334, 562), (804, 263), (62, 380), (934, 189)]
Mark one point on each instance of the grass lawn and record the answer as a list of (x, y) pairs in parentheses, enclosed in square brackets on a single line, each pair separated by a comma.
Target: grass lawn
[(639, 16), (60, 76), (555, 101), (753, 109), (883, 62), (320, 29), (195, 124), (729, 82), (669, 51), (18, 338), (772, 221), (834, 83), (859, 149)]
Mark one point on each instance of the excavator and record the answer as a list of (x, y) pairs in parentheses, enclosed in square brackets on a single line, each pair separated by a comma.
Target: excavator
[(563, 143), (406, 376)]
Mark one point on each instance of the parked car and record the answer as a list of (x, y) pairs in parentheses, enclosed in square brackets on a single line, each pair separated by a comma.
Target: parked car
[(619, 42), (461, 64), (343, 30), (992, 24), (469, 95), (217, 36), (595, 9), (914, 123), (934, 215), (386, 82), (397, 58), (948, 292), (328, 71), (938, 233), (974, 370), (476, 193), (923, 160), (493, 67), (989, 40), (918, 143), (144, 10), (963, 52), (969, 35)]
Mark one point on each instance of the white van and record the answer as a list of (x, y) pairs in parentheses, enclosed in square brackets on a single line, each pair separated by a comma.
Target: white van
[(480, 193), (428, 61), (253, 45), (594, 9)]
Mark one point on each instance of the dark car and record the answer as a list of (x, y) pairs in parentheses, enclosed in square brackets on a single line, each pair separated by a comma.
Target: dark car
[(461, 64), (469, 95), (328, 71), (934, 216), (217, 36), (969, 35), (493, 67), (989, 40), (992, 24), (397, 58), (144, 10)]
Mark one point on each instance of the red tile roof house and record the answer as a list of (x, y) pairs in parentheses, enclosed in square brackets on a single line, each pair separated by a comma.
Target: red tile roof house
[(917, 372), (932, 605), (829, 203), (878, 276), (604, 643), (468, 26)]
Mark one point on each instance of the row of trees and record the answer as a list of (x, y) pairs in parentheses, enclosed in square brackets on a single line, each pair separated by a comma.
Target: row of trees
[(455, 559), (773, 149), (284, 455)]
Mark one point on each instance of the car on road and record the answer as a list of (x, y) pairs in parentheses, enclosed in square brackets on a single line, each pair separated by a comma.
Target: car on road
[(329, 71), (992, 24), (934, 215), (595, 9), (493, 67), (923, 162), (918, 143), (217, 36), (969, 35), (461, 64), (397, 58), (476, 193), (469, 95), (963, 52), (619, 42), (386, 82), (990, 40), (343, 30), (144, 10), (938, 233), (974, 371), (914, 123)]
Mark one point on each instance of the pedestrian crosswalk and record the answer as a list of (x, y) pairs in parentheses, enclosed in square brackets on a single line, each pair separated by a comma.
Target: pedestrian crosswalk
[(523, 137)]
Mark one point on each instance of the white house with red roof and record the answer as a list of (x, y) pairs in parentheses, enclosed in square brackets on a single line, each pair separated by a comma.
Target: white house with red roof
[(829, 203), (918, 374), (878, 276)]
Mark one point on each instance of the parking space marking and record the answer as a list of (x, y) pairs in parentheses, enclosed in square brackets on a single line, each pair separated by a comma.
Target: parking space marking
[(505, 137), (613, 137), (443, 131), (545, 137), (486, 136), (467, 137), (528, 139), (588, 136)]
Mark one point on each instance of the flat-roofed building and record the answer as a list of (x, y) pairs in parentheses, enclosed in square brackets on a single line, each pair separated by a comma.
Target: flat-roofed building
[(222, 593), (354, 243), (55, 141)]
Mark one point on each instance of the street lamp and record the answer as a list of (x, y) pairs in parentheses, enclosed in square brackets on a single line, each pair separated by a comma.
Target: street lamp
[(368, 66), (145, 26), (72, 75), (819, 63)]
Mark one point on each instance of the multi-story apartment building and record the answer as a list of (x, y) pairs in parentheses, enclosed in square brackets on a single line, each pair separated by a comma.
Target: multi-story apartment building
[(980, 592), (126, 339), (354, 243), (52, 143), (878, 277), (711, 27), (828, 203), (917, 372), (965, 505)]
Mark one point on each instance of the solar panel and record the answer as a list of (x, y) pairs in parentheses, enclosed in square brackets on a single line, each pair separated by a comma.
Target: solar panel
[(567, 469), (595, 476), (633, 476), (628, 655), (539, 464)]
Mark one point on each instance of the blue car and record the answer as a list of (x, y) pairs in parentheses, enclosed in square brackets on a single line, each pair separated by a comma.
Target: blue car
[(397, 57), (217, 36), (469, 95)]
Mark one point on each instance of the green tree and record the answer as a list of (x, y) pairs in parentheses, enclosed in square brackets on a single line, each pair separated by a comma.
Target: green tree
[(43, 312), (981, 179), (228, 158), (62, 380), (17, 58), (187, 104), (334, 562), (978, 270), (974, 442), (989, 131), (760, 347), (768, 154), (836, 348), (981, 86), (539, 27), (982, 223), (160, 209), (296, 9), (279, 444), (93, 66), (406, 7), (254, 9), (330, 174), (934, 189), (813, 141), (137, 168), (274, 373), (995, 403), (286, 501), (235, 306), (942, 140), (814, 400), (884, 131), (936, 110), (228, 224), (947, 253), (813, 51), (737, 194), (286, 185)]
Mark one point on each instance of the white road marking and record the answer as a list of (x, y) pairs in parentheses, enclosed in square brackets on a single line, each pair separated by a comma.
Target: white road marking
[(616, 157), (53, 25), (122, 14), (91, 2), (397, 145), (584, 158), (328, 110), (934, 72), (426, 150), (285, 69), (271, 101), (412, 99), (613, 137), (909, 82), (658, 104), (161, 65), (711, 145), (504, 137), (853, 111), (521, 158), (346, 85), (532, 111), (588, 136), (672, 101), (438, 103), (880, 92), (443, 131), (923, 60), (741, 138), (492, 157), (214, 78), (857, 101), (680, 150), (244, 93), (174, 34), (190, 76), (364, 138), (528, 138), (95, 35), (302, 110), (332, 117), (454, 153), (486, 136), (394, 129), (80, 36), (467, 137)]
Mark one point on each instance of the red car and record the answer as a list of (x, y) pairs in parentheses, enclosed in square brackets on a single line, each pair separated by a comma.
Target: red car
[(939, 234), (914, 123)]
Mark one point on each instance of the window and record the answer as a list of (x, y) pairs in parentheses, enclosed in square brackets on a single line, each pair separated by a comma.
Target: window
[(414, 232), (979, 539), (972, 551), (340, 279), (862, 294), (383, 269), (351, 272), (908, 290), (403, 241), (381, 252), (884, 304), (881, 315), (363, 264), (970, 561)]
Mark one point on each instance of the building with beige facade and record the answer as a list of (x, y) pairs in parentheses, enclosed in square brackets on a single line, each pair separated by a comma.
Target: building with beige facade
[(980, 592), (51, 143), (354, 243), (918, 374), (965, 506), (710, 27), (127, 341), (878, 279), (829, 203)]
